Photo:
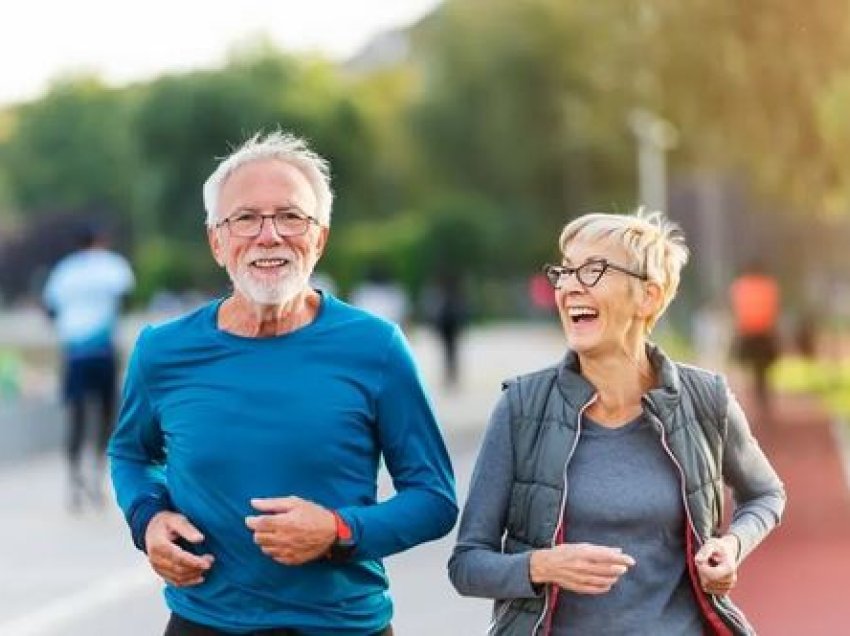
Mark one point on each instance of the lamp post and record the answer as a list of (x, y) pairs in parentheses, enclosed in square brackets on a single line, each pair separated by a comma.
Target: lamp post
[(655, 136)]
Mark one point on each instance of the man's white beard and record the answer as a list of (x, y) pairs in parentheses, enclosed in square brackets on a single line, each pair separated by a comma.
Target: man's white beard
[(271, 292)]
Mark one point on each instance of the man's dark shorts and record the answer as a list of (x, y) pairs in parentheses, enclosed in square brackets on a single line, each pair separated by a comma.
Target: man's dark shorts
[(94, 375), (179, 626)]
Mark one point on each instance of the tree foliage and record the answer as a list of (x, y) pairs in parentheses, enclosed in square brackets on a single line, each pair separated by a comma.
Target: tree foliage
[(72, 149), (506, 119)]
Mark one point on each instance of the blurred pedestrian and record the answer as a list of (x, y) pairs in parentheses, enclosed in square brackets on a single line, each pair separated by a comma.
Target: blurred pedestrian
[(541, 295), (82, 297), (806, 335), (450, 312), (755, 300), (248, 444), (711, 333), (596, 504), (381, 295)]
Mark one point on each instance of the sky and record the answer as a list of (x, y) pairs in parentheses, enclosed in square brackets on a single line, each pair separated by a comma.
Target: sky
[(127, 41)]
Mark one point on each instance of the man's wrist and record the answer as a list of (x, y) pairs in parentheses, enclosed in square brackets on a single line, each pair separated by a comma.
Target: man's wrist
[(142, 513), (343, 545)]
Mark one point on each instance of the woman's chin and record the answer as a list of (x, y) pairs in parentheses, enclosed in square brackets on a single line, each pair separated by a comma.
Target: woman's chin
[(581, 345), (582, 340)]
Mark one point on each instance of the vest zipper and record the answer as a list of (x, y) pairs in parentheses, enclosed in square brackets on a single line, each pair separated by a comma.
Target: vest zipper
[(553, 589), (657, 423), (498, 616)]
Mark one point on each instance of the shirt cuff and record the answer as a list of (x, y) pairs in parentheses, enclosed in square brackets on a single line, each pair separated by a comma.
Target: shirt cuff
[(141, 513)]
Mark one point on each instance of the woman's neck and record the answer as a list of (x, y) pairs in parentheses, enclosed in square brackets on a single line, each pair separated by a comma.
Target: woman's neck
[(620, 379)]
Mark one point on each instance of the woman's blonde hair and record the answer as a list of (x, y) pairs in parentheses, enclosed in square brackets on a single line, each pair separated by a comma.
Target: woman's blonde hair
[(656, 246)]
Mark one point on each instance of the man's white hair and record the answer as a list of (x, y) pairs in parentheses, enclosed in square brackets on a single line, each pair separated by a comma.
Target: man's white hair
[(276, 145), (655, 245)]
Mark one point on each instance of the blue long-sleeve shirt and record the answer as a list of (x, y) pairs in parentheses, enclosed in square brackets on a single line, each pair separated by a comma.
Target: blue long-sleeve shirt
[(210, 420)]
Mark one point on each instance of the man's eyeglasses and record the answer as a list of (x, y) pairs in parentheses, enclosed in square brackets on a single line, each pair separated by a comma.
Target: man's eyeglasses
[(250, 224), (587, 274)]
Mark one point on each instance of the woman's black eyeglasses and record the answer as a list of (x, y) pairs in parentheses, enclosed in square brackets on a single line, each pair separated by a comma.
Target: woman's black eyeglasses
[(587, 274)]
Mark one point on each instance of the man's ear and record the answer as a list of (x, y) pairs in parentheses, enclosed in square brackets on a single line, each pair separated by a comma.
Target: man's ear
[(215, 246), (324, 232)]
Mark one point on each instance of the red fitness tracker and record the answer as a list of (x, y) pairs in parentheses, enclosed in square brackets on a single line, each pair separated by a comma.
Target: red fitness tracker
[(343, 545)]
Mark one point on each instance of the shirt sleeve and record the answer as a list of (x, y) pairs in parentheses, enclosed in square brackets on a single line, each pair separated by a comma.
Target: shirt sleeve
[(136, 451), (125, 280), (478, 567), (424, 506), (757, 491)]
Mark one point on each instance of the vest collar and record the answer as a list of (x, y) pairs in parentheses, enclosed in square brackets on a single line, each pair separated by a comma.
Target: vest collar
[(664, 398)]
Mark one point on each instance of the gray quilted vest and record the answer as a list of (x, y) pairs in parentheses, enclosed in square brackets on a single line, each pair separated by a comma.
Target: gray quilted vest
[(545, 407)]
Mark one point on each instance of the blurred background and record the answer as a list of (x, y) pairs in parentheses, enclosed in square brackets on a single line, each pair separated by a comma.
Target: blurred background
[(462, 136)]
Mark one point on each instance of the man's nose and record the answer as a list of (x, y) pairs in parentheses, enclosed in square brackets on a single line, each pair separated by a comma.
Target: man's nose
[(268, 232)]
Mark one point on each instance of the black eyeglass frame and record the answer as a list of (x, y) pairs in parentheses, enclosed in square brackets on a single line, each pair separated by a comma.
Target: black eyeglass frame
[(305, 219), (554, 273)]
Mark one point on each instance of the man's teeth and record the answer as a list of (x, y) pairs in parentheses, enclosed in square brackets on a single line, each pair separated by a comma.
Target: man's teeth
[(269, 262)]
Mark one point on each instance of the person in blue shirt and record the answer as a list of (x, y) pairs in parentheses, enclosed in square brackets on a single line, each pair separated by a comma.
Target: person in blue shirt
[(82, 297), (247, 449)]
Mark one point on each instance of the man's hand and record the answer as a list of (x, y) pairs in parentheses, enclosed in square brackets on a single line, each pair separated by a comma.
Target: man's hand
[(580, 567), (292, 531), (717, 565), (174, 564)]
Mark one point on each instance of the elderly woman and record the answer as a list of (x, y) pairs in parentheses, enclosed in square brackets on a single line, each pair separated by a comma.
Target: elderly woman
[(597, 499)]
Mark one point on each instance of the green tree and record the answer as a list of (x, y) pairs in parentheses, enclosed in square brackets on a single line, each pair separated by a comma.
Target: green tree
[(520, 107), (752, 95), (71, 150), (185, 122)]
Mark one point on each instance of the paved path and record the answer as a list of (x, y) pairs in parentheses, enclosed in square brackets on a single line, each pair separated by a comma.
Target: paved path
[(796, 583), (79, 576)]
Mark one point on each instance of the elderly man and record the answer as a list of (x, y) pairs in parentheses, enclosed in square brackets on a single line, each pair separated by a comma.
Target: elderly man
[(248, 444)]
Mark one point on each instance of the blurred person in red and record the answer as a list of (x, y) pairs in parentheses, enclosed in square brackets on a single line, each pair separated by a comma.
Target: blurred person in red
[(541, 294), (755, 300)]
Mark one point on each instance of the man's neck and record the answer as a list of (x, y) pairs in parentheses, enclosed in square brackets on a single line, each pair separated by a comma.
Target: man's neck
[(242, 317)]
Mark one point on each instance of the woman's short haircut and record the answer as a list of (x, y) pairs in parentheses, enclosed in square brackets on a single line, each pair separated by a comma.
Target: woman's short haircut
[(276, 145), (655, 244)]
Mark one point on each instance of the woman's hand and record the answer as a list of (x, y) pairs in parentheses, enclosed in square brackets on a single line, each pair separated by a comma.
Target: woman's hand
[(717, 564), (583, 568)]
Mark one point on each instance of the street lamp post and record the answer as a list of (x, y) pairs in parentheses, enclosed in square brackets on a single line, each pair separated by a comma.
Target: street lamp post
[(655, 136)]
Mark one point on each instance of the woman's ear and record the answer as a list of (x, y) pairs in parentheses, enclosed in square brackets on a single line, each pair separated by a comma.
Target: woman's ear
[(651, 299)]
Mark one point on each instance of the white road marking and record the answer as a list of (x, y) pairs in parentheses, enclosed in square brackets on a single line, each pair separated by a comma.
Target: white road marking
[(63, 610)]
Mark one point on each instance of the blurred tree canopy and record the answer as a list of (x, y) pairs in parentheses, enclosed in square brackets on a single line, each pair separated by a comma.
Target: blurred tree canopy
[(505, 119), (756, 86), (73, 148)]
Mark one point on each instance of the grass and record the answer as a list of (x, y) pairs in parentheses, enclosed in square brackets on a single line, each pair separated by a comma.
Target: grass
[(827, 379)]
